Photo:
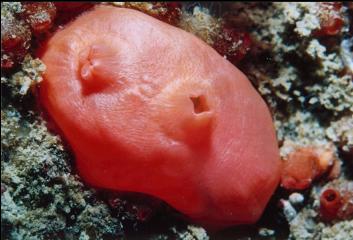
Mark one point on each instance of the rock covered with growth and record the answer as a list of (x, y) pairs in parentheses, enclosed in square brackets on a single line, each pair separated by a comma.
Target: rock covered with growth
[(168, 12), (38, 15), (30, 74), (40, 197), (301, 64), (200, 22), (328, 214), (232, 41), (28, 23), (310, 70), (15, 36), (302, 74), (19, 22)]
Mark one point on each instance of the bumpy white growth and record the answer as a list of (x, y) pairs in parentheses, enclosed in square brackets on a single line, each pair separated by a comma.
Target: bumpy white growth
[(201, 23), (30, 75)]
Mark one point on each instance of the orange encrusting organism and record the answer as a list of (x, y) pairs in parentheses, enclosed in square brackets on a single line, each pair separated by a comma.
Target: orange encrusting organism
[(147, 107), (305, 164)]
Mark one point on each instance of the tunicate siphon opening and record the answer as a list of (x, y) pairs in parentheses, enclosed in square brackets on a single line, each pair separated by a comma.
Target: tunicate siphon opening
[(200, 104), (331, 195)]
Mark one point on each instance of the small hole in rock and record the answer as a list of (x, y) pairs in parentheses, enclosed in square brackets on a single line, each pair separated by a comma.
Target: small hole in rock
[(200, 104)]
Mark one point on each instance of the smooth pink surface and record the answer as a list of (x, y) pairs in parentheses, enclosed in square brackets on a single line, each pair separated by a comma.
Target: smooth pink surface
[(119, 85)]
